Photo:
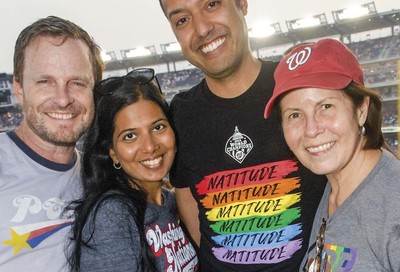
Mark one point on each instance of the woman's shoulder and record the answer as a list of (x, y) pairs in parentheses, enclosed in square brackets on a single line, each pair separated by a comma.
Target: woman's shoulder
[(168, 196), (385, 178), (389, 167), (111, 217), (114, 204), (167, 191)]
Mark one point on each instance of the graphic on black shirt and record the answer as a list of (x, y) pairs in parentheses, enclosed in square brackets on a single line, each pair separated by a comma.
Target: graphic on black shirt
[(251, 211), (238, 146)]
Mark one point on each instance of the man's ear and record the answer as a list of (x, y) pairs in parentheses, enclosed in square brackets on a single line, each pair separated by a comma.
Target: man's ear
[(18, 91), (243, 6)]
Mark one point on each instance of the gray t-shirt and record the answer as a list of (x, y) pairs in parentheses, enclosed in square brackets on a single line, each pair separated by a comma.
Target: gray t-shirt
[(115, 244), (364, 232), (33, 194)]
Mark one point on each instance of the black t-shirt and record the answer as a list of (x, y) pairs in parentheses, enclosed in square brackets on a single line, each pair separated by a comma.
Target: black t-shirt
[(256, 203)]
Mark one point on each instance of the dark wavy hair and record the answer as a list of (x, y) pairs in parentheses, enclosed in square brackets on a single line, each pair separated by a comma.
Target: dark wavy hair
[(100, 179), (55, 27)]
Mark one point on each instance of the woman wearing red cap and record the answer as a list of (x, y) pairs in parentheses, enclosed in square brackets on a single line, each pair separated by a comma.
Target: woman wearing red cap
[(332, 123)]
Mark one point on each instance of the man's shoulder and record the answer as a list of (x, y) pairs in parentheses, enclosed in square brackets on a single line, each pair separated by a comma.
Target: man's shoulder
[(4, 135), (191, 95), (268, 67), (6, 142), (270, 63)]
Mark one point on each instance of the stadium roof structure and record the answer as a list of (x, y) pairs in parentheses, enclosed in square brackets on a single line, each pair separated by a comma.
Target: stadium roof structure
[(128, 63), (342, 28)]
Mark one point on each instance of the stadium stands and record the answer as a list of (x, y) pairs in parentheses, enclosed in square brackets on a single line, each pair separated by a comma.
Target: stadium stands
[(175, 82), (10, 119), (376, 42)]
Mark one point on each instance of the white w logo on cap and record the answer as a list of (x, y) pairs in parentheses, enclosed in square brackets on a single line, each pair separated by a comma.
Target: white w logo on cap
[(298, 58)]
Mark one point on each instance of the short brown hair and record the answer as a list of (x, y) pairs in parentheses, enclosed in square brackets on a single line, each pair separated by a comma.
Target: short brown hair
[(55, 27)]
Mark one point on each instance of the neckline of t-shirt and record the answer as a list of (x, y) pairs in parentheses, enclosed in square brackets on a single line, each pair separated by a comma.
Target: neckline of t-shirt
[(238, 100), (61, 167)]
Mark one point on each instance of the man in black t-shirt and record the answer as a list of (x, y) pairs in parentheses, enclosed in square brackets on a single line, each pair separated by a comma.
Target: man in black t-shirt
[(245, 201)]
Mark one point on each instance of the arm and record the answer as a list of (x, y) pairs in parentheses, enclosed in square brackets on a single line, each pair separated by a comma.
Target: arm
[(393, 249), (115, 243), (189, 212)]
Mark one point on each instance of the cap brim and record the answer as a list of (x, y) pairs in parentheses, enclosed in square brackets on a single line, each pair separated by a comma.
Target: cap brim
[(325, 80)]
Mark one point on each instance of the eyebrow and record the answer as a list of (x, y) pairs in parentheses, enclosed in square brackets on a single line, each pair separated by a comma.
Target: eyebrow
[(173, 12), (73, 77), (289, 109), (135, 129), (160, 120)]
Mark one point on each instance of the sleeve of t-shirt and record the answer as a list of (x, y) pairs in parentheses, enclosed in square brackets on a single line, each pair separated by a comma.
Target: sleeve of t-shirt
[(115, 244), (394, 250), (178, 173)]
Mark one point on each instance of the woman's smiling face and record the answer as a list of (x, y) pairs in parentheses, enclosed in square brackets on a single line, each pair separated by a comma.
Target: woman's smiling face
[(322, 128), (143, 142)]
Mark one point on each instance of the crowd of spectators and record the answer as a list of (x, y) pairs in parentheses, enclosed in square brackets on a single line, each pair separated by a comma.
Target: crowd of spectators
[(395, 46), (383, 71), (179, 80), (10, 119), (373, 49), (393, 143), (388, 92), (375, 72), (390, 119), (389, 76), (369, 49)]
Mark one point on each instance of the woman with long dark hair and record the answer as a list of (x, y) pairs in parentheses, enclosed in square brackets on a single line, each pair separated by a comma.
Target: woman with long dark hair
[(126, 220)]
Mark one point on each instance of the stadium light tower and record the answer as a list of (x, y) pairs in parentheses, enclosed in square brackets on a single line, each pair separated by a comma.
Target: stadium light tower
[(316, 20), (170, 47), (354, 12), (108, 56), (262, 29), (138, 52)]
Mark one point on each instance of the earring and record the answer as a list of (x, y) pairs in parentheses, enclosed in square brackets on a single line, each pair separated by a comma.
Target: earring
[(117, 165), (362, 131)]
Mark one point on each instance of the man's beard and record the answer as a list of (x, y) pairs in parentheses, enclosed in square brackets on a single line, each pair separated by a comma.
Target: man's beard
[(61, 136)]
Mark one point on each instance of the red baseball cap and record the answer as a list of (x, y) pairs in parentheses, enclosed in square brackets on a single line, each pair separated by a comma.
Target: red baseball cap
[(326, 64)]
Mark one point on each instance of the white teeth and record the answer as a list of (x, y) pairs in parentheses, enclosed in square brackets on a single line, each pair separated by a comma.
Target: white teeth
[(320, 148), (61, 116), (212, 46), (152, 162)]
